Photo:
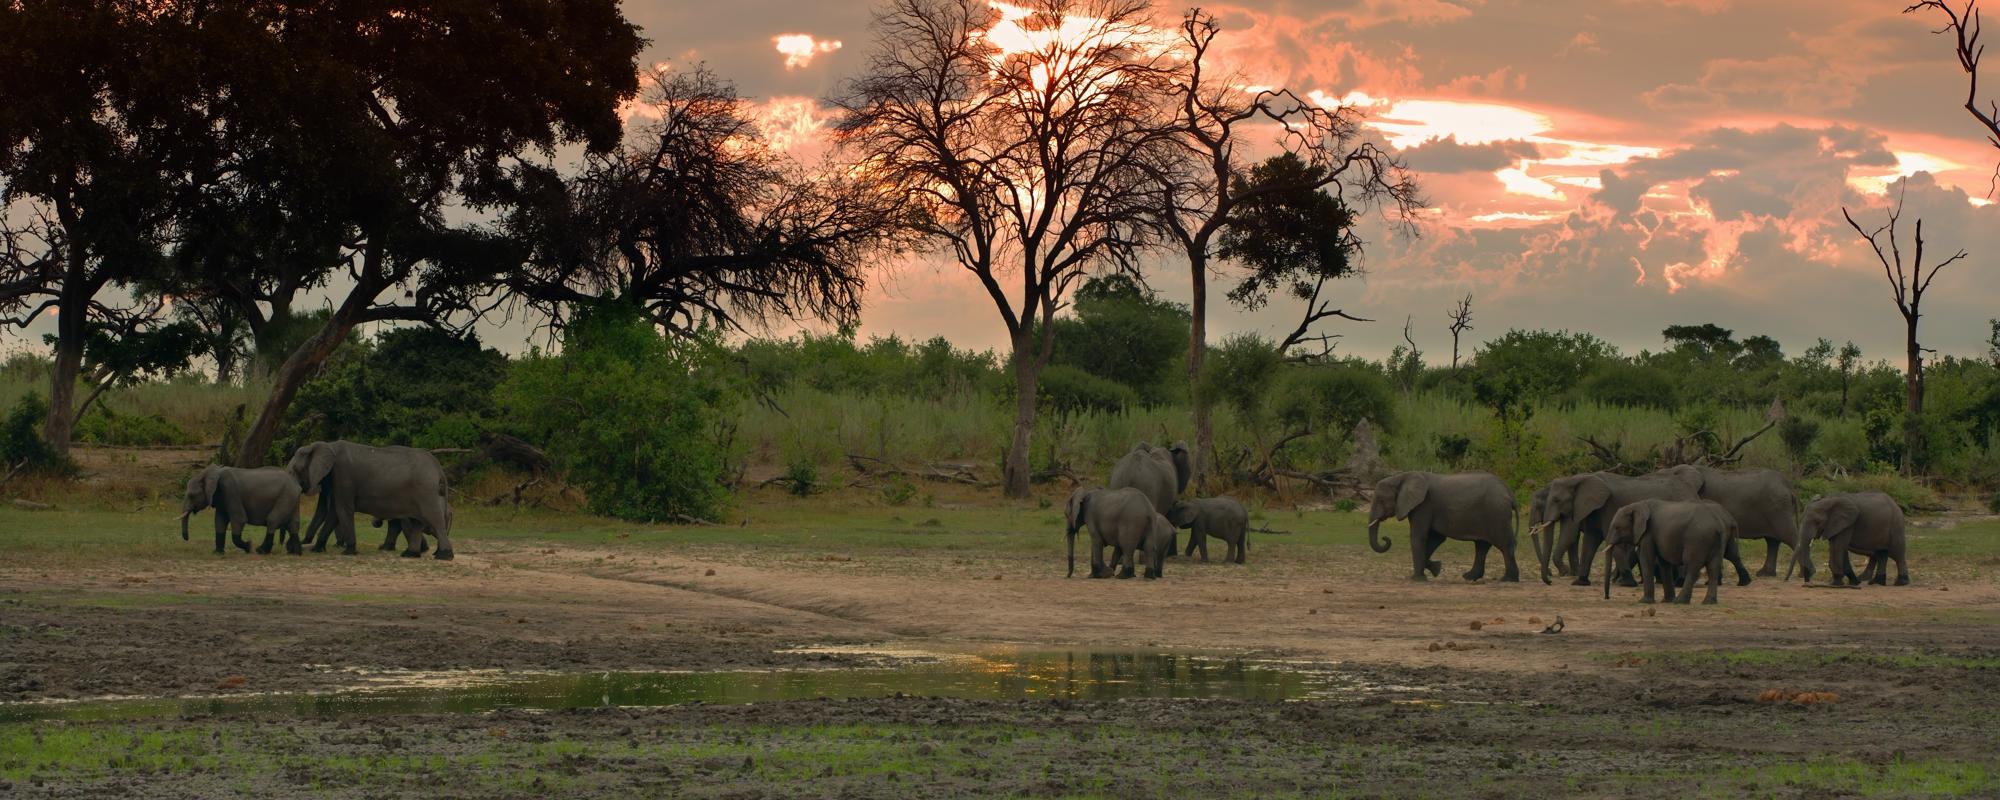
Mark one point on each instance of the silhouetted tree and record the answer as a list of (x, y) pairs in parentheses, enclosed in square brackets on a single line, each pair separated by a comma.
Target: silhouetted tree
[(1204, 193), (1461, 321), (1907, 282), (697, 221), (1030, 165), (1962, 24)]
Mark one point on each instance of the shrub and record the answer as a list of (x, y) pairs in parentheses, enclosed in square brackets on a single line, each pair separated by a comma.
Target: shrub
[(1798, 434), (21, 438), (1911, 495), (1451, 448), (801, 477), (131, 430), (1067, 390), (632, 417), (400, 388), (1842, 443)]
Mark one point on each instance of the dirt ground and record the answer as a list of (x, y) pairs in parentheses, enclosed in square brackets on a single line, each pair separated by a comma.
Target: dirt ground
[(1903, 677)]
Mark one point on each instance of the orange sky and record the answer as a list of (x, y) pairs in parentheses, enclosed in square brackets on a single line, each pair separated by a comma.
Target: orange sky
[(1611, 166)]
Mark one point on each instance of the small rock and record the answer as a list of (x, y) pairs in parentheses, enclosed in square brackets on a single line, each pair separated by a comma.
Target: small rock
[(711, 571), (1476, 625), (1534, 620), (1436, 647), (996, 576), (1312, 611)]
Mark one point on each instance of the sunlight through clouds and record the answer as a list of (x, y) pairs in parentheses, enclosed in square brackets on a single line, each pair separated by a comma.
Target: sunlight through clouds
[(799, 49)]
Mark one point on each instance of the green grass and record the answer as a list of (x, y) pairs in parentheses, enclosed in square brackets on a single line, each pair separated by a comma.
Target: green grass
[(1899, 778), (1795, 661)]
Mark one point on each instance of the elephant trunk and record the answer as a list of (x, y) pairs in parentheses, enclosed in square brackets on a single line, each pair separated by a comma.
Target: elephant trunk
[(1072, 553), (1375, 540), (184, 525), (1607, 571)]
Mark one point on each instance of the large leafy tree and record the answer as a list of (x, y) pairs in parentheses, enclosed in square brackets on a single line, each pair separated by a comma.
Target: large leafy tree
[(346, 133), (97, 132)]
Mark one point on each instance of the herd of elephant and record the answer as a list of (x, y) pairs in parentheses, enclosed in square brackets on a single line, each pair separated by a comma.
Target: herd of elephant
[(1670, 526), (403, 487)]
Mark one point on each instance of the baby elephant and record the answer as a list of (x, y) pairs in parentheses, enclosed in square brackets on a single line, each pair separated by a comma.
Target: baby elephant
[(1220, 517), (1672, 536), (1869, 523), (1120, 518), (267, 496)]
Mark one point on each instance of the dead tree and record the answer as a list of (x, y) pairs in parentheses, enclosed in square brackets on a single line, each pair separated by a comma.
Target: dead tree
[(1908, 280), (1963, 25), (1461, 321)]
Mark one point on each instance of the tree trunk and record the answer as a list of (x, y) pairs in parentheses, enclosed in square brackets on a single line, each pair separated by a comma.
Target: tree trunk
[(72, 315), (1027, 379), (1913, 395), (285, 383), (1204, 429)]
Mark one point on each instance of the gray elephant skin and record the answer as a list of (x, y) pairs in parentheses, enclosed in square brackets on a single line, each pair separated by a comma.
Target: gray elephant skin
[(1121, 518), (1760, 500), (1469, 506), (266, 496), (1161, 473), (322, 528), (1220, 517), (1674, 541), (396, 483), (1870, 523), (1584, 504)]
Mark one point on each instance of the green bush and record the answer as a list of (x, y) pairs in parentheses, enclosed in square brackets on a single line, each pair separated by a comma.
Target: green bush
[(21, 438), (1798, 434), (131, 430), (1912, 496), (801, 477), (1067, 390), (1842, 443), (409, 386), (631, 417)]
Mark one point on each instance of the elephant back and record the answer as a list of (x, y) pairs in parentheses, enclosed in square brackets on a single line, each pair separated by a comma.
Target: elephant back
[(1149, 470)]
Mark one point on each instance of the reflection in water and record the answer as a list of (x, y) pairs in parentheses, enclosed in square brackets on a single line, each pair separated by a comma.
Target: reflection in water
[(1080, 675)]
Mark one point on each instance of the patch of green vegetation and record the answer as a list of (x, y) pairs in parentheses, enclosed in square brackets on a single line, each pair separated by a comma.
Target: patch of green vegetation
[(1900, 778), (1783, 661)]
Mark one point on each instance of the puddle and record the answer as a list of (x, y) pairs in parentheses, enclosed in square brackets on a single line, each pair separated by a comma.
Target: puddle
[(1010, 675)]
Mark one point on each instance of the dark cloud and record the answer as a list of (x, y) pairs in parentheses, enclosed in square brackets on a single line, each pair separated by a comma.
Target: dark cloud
[(1446, 156)]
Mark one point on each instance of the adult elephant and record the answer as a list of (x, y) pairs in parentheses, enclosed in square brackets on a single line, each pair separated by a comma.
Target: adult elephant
[(1584, 504), (1538, 505), (1469, 506), (1121, 518), (1871, 523), (400, 483), (1760, 501), (1160, 473), (1674, 542)]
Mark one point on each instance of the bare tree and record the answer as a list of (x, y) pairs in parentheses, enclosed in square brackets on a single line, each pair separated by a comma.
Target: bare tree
[(1963, 25), (1026, 157), (1461, 321), (1908, 281), (1215, 114)]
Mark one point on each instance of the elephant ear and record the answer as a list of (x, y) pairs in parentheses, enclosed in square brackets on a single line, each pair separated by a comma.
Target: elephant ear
[(319, 465), (1690, 475), (1183, 465), (1591, 494), (1840, 516), (1182, 515), (1642, 517), (1416, 486), (208, 481)]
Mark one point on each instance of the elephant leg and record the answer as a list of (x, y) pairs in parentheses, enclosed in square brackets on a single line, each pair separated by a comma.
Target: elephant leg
[(1127, 565), (1902, 568), (292, 544), (394, 527), (1513, 573), (1649, 574), (413, 537), (1770, 568), (221, 531), (343, 526), (236, 535), (1478, 561), (1734, 554), (1097, 568), (1239, 547), (270, 536), (1419, 552), (1589, 542), (1715, 577), (1688, 573), (1431, 546), (1878, 568)]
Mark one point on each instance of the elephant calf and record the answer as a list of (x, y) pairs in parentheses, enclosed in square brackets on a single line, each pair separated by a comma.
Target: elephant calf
[(1220, 517), (1672, 536), (267, 496), (1870, 523)]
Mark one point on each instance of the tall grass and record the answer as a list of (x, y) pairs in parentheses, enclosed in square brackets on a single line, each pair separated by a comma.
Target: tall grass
[(192, 403)]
